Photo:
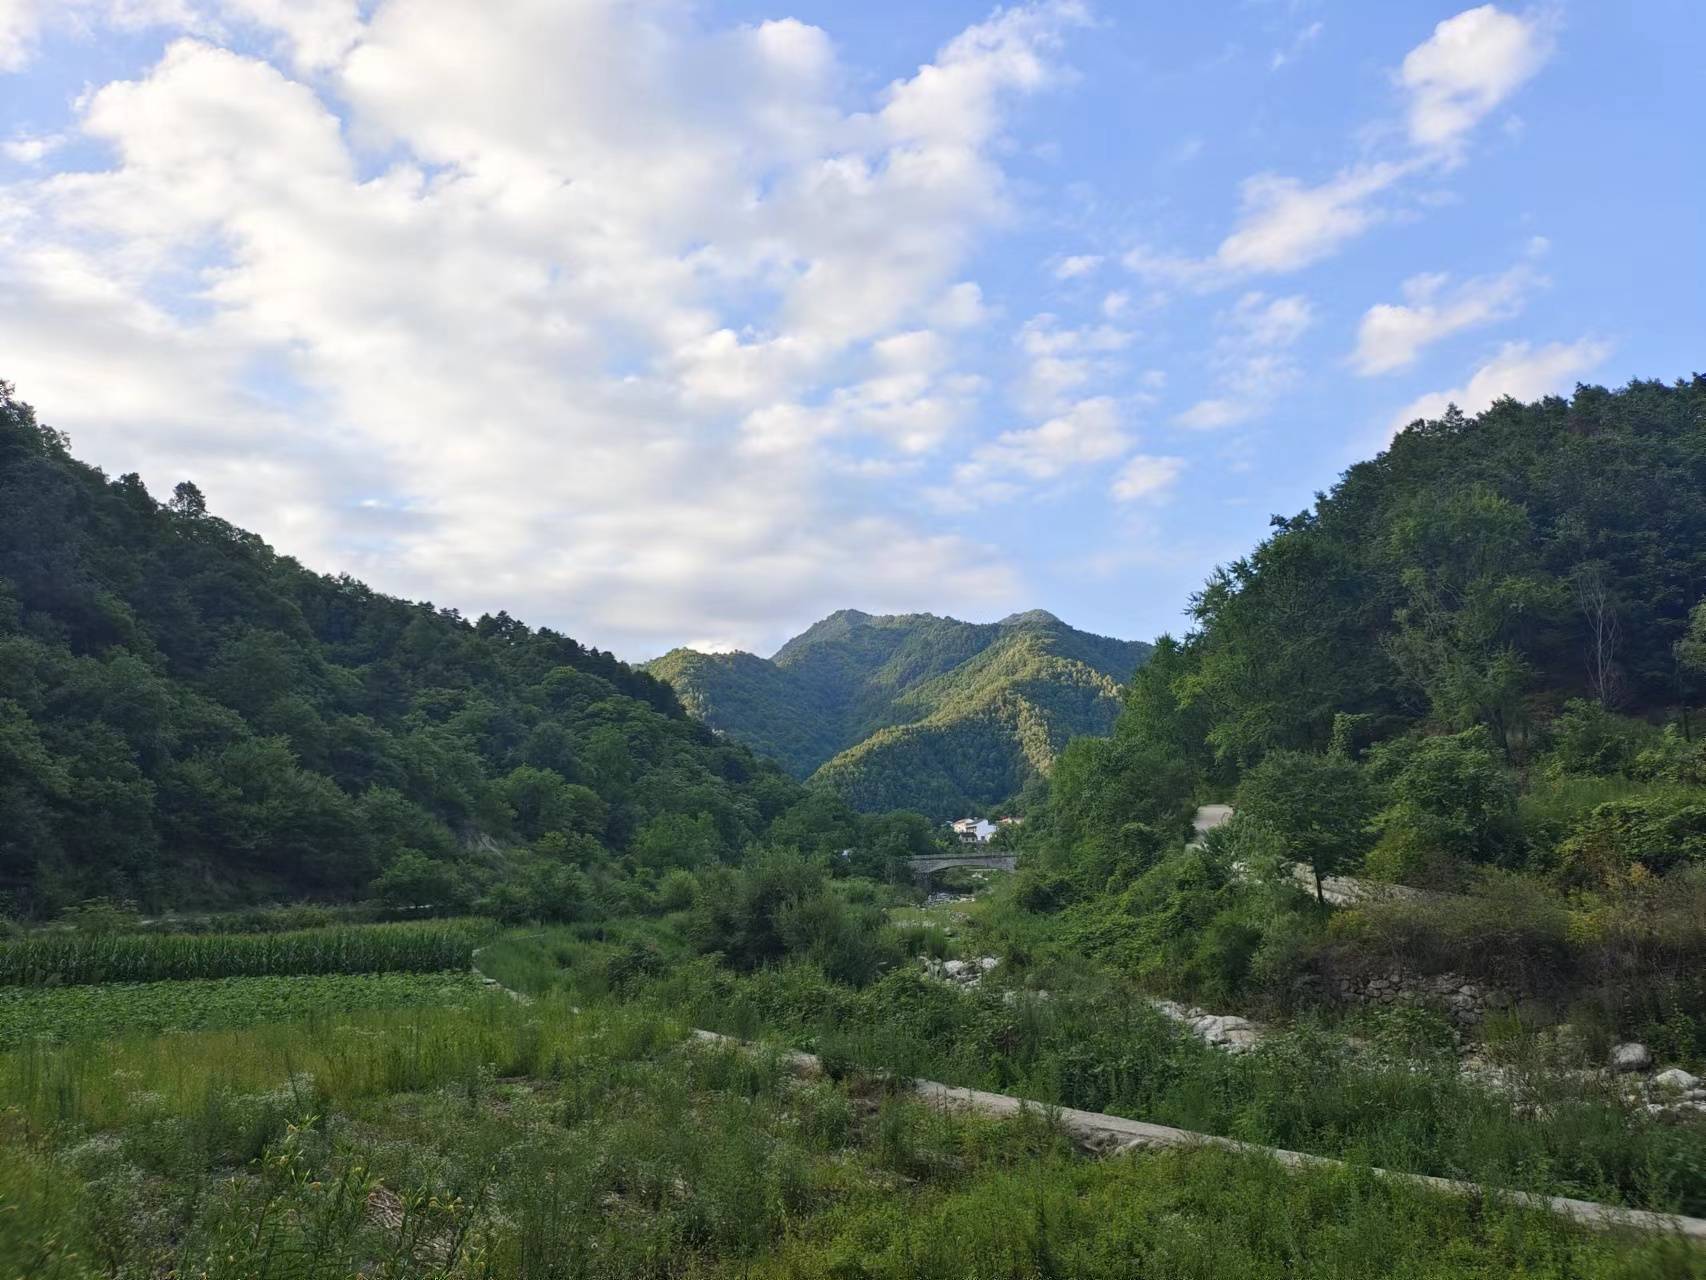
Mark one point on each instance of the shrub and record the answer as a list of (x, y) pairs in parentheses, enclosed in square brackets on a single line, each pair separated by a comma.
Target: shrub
[(1509, 929), (781, 904), (1659, 832), (1672, 758), (1589, 741), (1188, 923), (1451, 795)]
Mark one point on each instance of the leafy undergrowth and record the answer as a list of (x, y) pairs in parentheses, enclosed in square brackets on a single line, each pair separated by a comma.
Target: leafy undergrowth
[(511, 1141), (128, 1008)]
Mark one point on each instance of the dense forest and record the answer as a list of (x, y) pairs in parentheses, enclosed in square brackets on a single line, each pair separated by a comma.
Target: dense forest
[(1481, 574), (913, 711), (189, 718)]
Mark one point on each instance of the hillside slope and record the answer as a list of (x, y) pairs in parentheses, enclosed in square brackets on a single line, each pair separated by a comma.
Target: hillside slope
[(189, 718), (913, 711)]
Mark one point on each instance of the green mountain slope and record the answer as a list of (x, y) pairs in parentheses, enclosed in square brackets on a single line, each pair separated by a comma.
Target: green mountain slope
[(913, 711), (189, 718)]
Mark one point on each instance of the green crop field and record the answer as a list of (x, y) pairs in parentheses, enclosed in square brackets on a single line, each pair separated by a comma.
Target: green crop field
[(75, 958), (112, 1010)]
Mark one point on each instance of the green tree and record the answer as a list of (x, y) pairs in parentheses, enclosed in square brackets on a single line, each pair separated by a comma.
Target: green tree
[(1315, 808), (1451, 795)]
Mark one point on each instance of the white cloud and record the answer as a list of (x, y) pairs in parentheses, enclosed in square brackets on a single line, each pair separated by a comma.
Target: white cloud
[(24, 22), (31, 148), (1145, 476), (1090, 431), (1391, 335), (1286, 225), (555, 354), (1518, 370), (317, 33), (1472, 63), (20, 26), (1300, 42), (1061, 360), (1077, 265), (960, 307), (1252, 360), (1215, 412), (1467, 67)]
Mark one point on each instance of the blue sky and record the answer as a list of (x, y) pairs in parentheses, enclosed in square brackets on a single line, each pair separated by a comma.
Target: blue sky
[(689, 323)]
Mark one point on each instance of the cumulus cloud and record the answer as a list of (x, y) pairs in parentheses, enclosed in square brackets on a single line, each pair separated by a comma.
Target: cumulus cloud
[(1145, 476), (531, 305), (1252, 359), (1061, 359), (20, 25), (1392, 335), (1089, 431), (1518, 370), (1076, 265), (28, 148), (1470, 65), (316, 33)]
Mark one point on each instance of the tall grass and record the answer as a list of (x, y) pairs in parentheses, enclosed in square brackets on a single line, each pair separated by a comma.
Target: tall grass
[(515, 1143), (78, 958)]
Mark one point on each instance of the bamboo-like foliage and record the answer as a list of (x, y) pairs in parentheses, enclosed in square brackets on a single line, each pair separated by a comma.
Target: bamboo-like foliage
[(76, 958)]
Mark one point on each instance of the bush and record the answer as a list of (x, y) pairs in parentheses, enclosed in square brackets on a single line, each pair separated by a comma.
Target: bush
[(1672, 758), (1191, 926), (1658, 832), (780, 904), (1450, 795), (1508, 929), (1589, 741)]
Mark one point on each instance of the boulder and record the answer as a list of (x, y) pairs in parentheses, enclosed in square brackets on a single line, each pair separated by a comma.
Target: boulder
[(1630, 1056), (1241, 1039), (1678, 1079)]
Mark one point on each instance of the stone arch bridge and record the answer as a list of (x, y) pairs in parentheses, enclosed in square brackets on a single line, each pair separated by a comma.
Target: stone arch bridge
[(924, 868)]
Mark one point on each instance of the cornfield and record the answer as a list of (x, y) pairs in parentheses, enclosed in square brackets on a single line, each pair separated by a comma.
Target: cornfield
[(74, 959)]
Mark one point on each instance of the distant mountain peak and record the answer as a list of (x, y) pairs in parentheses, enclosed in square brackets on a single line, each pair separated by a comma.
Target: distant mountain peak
[(1031, 618), (914, 710)]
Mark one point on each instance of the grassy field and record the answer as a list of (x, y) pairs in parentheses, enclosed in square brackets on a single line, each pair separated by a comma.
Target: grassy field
[(1398, 1102), (130, 1008), (420, 1125), (511, 1141)]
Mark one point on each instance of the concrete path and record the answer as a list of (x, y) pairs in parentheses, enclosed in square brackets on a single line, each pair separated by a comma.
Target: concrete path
[(1108, 1135), (1208, 818)]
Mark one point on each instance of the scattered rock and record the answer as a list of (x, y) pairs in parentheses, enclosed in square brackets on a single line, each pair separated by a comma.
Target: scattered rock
[(1630, 1056), (1678, 1079)]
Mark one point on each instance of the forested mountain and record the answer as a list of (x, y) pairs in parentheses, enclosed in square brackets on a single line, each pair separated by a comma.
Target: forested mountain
[(1490, 596), (913, 711), (188, 717), (1479, 572)]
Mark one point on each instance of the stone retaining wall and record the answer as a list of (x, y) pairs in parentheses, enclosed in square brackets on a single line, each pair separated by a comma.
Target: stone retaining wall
[(1465, 1002)]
